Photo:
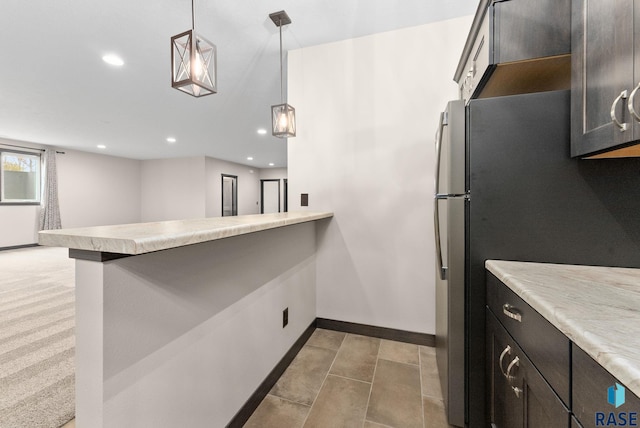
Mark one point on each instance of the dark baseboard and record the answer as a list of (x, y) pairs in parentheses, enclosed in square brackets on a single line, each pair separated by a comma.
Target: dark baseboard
[(17, 247), (256, 398), (423, 339)]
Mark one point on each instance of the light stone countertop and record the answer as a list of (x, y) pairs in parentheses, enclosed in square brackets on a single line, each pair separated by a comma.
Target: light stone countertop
[(598, 308), (140, 238)]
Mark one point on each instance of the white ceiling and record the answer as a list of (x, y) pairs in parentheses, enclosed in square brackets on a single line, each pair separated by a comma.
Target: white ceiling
[(56, 90)]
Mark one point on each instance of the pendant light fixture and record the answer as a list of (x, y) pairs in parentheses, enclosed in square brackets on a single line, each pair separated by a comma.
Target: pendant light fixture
[(283, 116), (193, 62)]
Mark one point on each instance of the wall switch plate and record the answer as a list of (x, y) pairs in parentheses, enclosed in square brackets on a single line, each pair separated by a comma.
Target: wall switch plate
[(304, 199), (285, 317)]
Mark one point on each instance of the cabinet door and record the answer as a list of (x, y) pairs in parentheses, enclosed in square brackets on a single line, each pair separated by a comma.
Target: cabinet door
[(505, 408), (601, 74), (519, 395)]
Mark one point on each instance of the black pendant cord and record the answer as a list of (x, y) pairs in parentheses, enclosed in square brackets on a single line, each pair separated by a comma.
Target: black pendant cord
[(281, 90), (193, 17)]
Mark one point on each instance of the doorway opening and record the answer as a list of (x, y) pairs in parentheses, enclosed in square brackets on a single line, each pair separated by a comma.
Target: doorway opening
[(229, 195), (269, 196), (286, 195)]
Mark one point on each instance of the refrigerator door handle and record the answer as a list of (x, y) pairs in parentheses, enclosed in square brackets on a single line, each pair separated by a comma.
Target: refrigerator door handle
[(442, 270)]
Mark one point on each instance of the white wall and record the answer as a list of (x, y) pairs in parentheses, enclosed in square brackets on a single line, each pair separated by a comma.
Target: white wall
[(19, 225), (173, 189), (96, 189), (248, 187), (367, 112), (276, 173)]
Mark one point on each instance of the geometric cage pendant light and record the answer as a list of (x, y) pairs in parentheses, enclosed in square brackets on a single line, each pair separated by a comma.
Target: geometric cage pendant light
[(283, 116), (193, 62)]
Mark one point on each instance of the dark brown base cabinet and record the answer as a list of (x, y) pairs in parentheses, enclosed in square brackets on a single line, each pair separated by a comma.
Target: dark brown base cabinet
[(519, 395), (591, 384), (536, 377)]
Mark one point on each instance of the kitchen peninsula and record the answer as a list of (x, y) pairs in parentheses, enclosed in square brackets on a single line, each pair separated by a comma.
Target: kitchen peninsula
[(178, 322)]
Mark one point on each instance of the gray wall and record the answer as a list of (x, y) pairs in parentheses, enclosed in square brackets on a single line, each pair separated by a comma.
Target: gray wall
[(98, 189), (367, 115), (248, 187), (172, 189)]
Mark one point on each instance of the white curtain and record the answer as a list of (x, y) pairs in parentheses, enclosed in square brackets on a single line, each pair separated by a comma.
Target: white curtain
[(50, 213)]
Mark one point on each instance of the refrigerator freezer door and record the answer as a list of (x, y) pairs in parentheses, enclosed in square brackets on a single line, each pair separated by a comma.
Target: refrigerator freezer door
[(453, 143)]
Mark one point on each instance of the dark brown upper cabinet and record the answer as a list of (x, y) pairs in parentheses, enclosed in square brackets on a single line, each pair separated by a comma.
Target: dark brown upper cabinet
[(516, 47), (605, 76)]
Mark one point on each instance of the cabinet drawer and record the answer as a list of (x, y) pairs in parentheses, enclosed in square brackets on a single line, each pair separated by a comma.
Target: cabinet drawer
[(547, 348), (591, 383)]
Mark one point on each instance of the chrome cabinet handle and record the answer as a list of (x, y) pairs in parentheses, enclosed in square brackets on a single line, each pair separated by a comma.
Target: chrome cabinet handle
[(614, 119), (630, 103), (507, 351), (516, 363), (511, 312)]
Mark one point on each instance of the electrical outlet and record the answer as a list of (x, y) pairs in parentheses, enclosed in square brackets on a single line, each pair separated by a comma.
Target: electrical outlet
[(285, 317)]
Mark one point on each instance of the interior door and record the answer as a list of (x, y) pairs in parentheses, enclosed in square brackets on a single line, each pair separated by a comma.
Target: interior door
[(229, 195), (269, 196)]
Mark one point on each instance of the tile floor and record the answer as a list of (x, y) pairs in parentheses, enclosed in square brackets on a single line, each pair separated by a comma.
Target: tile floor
[(347, 380)]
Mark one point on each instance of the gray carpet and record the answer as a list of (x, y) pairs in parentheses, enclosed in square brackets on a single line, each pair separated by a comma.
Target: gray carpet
[(37, 340)]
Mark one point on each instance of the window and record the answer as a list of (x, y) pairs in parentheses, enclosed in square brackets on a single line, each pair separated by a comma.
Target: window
[(19, 178)]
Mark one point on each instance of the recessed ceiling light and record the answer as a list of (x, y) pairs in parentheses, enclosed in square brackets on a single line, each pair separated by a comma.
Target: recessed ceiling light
[(249, 158), (101, 146), (270, 163), (112, 59), (262, 131), (171, 140), (251, 171)]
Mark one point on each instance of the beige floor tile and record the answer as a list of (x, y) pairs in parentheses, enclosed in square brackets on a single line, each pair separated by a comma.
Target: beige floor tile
[(356, 358), (399, 352), (275, 412), (434, 414), (429, 373), (395, 396), (328, 339), (304, 376), (342, 402), (429, 350)]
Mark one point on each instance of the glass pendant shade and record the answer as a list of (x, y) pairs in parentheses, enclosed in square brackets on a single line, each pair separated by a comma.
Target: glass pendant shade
[(193, 60), (283, 120)]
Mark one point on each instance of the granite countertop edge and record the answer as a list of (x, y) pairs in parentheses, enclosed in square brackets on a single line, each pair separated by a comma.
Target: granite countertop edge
[(141, 238)]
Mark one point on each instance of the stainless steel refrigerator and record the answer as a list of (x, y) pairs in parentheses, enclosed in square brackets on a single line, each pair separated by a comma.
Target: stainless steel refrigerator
[(508, 189)]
